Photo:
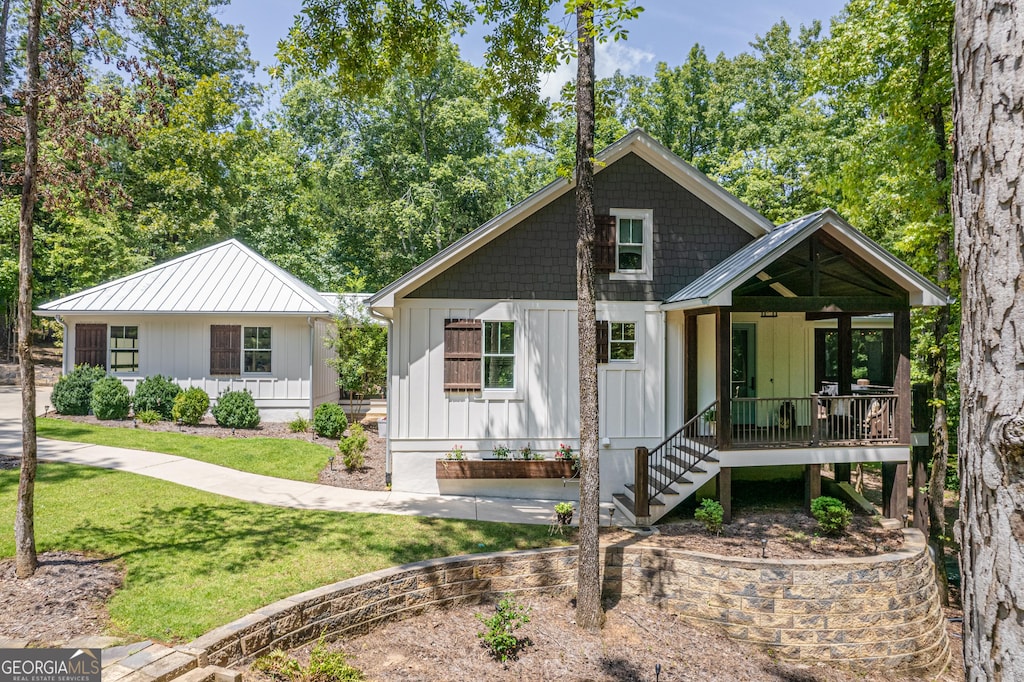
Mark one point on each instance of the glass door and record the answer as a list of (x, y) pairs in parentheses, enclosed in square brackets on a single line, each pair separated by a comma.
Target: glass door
[(744, 373)]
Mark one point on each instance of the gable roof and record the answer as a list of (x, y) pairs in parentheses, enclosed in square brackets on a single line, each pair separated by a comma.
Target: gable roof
[(636, 142), (224, 278), (715, 287)]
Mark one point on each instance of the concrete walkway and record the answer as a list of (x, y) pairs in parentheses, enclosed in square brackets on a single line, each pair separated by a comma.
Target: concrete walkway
[(266, 489)]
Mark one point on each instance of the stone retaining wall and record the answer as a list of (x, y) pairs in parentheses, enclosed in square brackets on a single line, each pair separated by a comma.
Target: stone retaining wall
[(872, 613)]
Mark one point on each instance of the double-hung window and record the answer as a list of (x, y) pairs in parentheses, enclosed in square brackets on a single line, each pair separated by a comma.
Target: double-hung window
[(256, 349), (630, 245), (622, 341), (124, 349), (499, 355)]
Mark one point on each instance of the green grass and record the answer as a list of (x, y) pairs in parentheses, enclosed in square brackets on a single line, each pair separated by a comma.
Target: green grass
[(285, 458), (196, 560)]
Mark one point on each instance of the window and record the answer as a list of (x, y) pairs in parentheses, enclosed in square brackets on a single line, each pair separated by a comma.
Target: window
[(624, 244), (256, 349), (499, 354), (872, 356), (124, 349), (630, 245), (622, 341)]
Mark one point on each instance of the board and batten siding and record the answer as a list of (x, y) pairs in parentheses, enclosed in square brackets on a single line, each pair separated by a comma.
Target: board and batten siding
[(542, 410), (179, 346), (325, 377)]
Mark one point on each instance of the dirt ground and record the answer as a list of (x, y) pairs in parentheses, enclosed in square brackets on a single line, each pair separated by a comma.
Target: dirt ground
[(48, 361)]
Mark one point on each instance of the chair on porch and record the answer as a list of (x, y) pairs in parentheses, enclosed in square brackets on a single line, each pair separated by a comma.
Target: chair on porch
[(877, 421)]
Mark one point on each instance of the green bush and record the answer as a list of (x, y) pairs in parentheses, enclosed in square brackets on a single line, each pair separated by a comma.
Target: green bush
[(711, 514), (73, 392), (329, 420), (110, 399), (324, 666), (236, 410), (157, 394), (352, 448), (298, 425), (500, 635), (190, 406), (148, 416), (831, 514)]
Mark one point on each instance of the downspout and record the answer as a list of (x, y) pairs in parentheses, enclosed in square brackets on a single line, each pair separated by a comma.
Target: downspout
[(312, 328), (64, 355), (387, 396)]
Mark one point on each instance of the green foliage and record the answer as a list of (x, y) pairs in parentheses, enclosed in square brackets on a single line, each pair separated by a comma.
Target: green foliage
[(299, 425), (148, 416), (156, 394), (352, 447), (110, 399), (953, 473), (73, 392), (236, 410), (831, 514), (455, 454), (329, 420), (711, 514), (324, 666), (501, 452), (362, 355), (190, 406), (500, 636)]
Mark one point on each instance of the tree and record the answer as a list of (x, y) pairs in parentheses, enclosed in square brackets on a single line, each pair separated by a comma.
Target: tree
[(988, 202), (362, 354)]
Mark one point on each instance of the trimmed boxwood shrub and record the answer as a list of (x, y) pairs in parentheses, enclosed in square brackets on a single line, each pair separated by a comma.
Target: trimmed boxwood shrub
[(190, 406), (329, 420), (73, 392), (110, 399), (236, 410), (157, 394), (352, 448), (831, 514)]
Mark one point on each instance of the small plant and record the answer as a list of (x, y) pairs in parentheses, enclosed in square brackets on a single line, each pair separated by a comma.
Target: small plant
[(148, 416), (191, 405), (455, 453), (110, 399), (500, 636), (324, 666), (564, 512), (73, 392), (537, 457), (298, 425), (565, 452), (156, 393), (710, 416), (711, 514), (831, 514), (501, 452), (236, 410), (526, 453), (352, 448), (329, 420)]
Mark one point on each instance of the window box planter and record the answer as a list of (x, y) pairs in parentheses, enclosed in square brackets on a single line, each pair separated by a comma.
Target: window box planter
[(504, 468)]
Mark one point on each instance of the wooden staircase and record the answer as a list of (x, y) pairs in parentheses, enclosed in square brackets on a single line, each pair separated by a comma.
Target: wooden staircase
[(671, 472)]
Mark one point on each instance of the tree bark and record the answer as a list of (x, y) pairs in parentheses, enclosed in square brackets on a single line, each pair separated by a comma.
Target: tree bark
[(589, 614), (26, 560), (988, 203)]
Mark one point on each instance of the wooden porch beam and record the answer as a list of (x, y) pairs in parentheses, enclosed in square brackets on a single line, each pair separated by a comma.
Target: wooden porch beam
[(723, 374), (812, 485), (819, 304), (901, 374), (724, 488), (690, 365), (845, 354), (894, 489)]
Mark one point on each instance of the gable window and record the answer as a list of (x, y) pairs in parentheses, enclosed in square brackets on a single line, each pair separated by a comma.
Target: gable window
[(256, 349), (622, 341), (624, 244), (630, 250), (124, 349), (499, 355)]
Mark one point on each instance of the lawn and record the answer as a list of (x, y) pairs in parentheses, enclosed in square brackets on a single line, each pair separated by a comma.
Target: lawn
[(196, 560), (281, 457)]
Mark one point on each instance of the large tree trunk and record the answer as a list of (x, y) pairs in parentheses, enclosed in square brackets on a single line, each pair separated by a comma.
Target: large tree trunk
[(988, 204), (589, 614), (24, 522)]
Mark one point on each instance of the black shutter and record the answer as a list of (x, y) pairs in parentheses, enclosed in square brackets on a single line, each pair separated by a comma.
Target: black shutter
[(225, 349), (463, 355), (91, 345), (602, 334), (604, 243)]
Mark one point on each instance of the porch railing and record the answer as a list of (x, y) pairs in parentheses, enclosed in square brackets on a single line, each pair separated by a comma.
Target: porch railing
[(814, 420), (673, 458)]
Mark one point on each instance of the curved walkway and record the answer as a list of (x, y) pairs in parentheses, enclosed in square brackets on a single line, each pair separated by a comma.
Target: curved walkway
[(264, 489)]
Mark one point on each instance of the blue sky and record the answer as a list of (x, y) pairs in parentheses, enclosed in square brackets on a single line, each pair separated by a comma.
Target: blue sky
[(665, 31)]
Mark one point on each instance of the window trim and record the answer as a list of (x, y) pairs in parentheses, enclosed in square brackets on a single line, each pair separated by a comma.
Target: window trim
[(111, 349), (503, 390), (646, 273), (612, 340), (245, 350)]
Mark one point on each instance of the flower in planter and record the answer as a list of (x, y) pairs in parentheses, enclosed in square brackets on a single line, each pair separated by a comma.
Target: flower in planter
[(526, 453), (455, 453), (564, 452), (501, 452)]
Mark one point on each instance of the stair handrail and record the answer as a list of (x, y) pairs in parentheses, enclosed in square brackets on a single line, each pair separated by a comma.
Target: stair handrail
[(703, 444)]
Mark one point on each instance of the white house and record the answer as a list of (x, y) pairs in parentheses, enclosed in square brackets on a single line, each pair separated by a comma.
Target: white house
[(725, 343), (220, 318)]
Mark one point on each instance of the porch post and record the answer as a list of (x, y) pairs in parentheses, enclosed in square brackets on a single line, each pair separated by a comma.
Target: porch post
[(901, 374), (812, 485), (894, 489), (723, 362), (845, 376), (641, 483), (723, 485), (690, 359)]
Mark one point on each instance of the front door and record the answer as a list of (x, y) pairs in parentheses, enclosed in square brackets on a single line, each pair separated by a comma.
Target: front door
[(744, 373)]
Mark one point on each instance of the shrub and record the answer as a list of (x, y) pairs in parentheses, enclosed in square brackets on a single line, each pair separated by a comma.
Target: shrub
[(329, 420), (110, 399), (236, 410), (156, 394), (500, 633), (148, 416), (190, 406), (831, 514), (711, 514), (298, 425), (73, 392), (324, 666), (352, 448)]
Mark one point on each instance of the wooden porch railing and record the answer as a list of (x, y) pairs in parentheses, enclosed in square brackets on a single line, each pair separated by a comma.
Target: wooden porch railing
[(814, 420)]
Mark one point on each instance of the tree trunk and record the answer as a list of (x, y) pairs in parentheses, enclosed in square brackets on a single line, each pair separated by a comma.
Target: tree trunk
[(24, 521), (988, 202), (589, 615)]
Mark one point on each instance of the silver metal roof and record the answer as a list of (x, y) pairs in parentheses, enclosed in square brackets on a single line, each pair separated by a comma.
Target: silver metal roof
[(223, 278)]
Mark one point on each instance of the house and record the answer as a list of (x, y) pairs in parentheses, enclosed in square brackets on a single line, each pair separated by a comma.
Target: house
[(221, 318), (725, 343)]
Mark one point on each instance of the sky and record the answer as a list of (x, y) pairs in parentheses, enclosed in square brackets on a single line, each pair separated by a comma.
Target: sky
[(664, 32)]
